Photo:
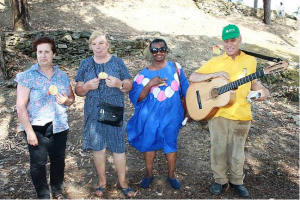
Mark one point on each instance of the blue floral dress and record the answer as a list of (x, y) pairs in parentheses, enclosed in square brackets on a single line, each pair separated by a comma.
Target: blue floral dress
[(98, 136), (157, 118)]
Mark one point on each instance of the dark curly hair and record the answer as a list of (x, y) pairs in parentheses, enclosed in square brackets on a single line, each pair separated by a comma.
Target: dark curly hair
[(158, 40), (44, 40)]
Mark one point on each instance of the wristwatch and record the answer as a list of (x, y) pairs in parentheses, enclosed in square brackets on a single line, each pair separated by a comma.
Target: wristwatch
[(121, 86)]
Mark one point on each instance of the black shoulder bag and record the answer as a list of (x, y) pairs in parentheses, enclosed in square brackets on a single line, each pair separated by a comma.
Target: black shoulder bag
[(109, 114)]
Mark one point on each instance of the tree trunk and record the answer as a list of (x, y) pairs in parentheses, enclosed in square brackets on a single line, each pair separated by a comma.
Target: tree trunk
[(3, 71), (267, 12), (255, 6), (20, 14)]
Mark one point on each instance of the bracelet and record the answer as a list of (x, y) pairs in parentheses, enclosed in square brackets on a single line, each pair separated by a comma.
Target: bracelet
[(70, 102)]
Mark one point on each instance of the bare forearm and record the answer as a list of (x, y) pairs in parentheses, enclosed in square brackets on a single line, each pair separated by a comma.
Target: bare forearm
[(196, 77), (24, 120), (144, 93), (81, 90)]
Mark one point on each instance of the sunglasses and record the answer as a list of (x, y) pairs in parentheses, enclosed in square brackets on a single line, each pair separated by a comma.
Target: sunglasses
[(156, 50)]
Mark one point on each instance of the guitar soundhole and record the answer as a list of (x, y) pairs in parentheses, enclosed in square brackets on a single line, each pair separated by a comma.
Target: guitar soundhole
[(214, 93)]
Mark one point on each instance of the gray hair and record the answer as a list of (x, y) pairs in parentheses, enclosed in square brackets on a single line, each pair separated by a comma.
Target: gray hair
[(96, 34)]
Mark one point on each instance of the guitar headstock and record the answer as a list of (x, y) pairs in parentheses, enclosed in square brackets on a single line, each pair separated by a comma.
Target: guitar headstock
[(277, 67)]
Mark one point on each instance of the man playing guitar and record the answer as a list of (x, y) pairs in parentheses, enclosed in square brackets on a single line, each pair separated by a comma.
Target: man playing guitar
[(229, 127)]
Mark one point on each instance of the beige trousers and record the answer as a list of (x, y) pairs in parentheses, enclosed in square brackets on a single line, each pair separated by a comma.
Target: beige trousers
[(227, 149)]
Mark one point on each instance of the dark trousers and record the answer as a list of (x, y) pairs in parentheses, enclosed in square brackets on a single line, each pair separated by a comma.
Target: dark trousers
[(53, 145)]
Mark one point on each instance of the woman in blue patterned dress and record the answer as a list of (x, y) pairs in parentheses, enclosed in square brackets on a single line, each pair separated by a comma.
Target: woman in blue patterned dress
[(98, 136), (43, 117), (158, 112)]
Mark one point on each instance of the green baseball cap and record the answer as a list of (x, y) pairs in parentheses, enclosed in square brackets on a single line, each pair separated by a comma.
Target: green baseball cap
[(230, 31)]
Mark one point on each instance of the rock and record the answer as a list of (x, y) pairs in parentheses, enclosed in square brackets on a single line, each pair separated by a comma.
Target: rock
[(28, 66), (147, 54), (75, 36), (254, 114), (159, 193), (11, 84), (21, 34), (28, 44), (205, 127), (296, 118), (2, 100), (33, 54), (3, 179), (85, 34), (157, 34), (68, 38), (69, 143), (92, 9), (20, 46), (62, 46), (295, 97), (65, 63), (2, 7), (57, 58), (9, 110)]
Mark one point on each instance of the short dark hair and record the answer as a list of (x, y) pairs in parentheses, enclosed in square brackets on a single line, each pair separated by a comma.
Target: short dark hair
[(158, 40), (44, 40)]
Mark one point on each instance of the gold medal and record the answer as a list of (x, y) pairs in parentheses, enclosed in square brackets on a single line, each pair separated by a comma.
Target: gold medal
[(103, 75), (53, 90)]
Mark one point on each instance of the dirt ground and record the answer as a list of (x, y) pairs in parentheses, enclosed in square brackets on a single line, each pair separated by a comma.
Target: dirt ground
[(272, 149)]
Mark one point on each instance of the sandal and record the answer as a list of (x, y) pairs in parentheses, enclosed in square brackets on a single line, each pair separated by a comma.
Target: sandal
[(126, 191), (100, 189)]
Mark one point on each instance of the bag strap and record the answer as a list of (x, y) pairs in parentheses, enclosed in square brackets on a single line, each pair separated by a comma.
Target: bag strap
[(263, 56), (94, 65), (178, 79)]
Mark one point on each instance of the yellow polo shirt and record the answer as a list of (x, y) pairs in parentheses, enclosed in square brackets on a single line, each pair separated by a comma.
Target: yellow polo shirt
[(242, 66)]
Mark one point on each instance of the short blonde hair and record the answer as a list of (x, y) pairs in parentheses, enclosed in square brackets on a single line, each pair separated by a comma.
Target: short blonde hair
[(96, 34)]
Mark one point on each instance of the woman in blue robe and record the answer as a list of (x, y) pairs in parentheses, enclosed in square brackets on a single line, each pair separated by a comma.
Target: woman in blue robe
[(158, 116)]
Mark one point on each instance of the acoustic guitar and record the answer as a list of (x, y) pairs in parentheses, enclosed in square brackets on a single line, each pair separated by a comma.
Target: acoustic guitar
[(204, 99)]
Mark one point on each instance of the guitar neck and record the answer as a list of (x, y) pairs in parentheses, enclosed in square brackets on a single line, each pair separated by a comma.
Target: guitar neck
[(237, 83)]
